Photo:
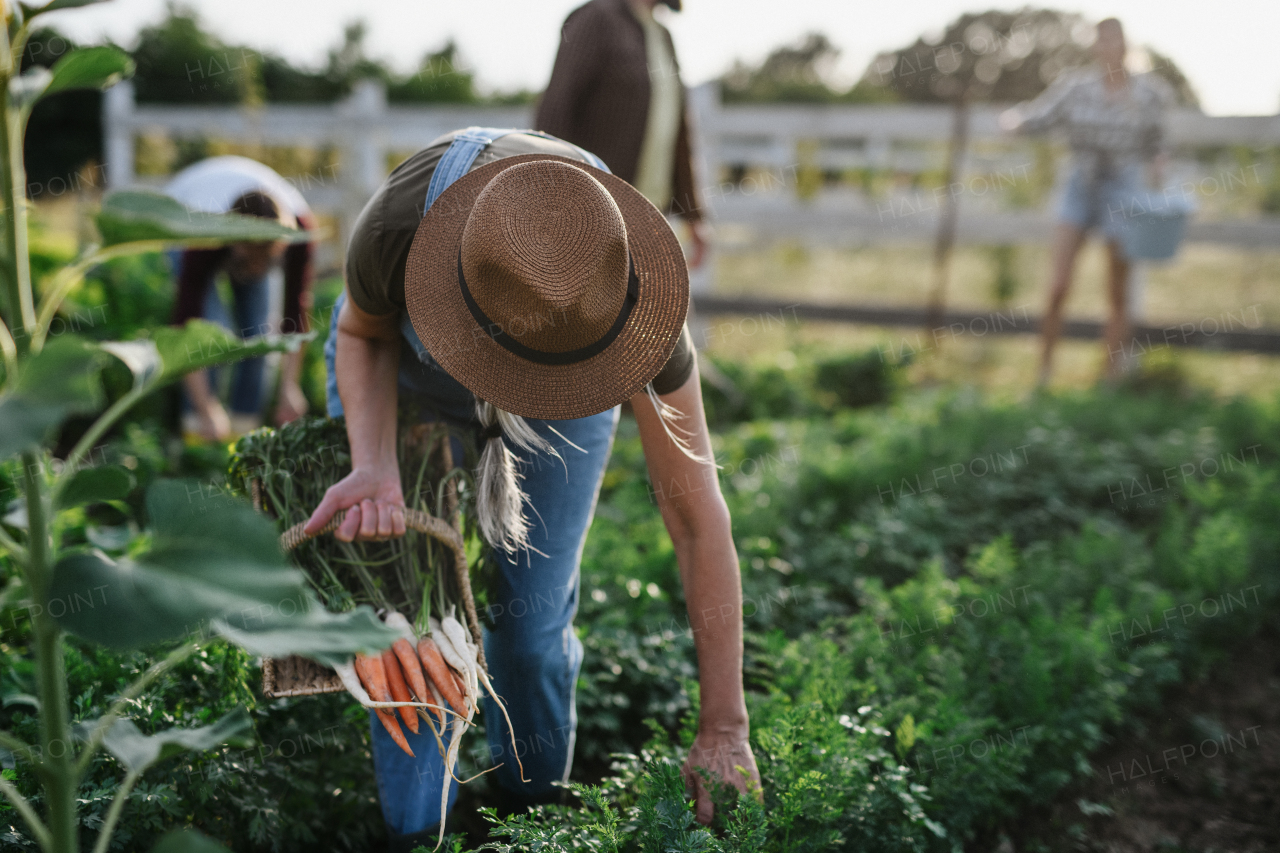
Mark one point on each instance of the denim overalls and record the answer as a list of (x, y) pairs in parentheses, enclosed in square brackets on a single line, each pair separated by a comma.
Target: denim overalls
[(532, 651)]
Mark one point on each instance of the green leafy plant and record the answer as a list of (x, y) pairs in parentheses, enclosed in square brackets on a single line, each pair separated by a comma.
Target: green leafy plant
[(207, 566)]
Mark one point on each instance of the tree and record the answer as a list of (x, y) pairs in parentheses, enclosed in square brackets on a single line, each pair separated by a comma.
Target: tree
[(798, 73), (998, 57), (347, 63), (179, 62), (440, 78)]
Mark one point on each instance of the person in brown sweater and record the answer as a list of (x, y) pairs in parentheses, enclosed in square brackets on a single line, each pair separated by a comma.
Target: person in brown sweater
[(615, 90)]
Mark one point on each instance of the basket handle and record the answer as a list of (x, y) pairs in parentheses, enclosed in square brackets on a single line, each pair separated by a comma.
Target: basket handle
[(414, 519), (438, 528)]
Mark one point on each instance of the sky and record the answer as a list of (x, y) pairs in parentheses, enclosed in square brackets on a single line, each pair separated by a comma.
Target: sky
[(1231, 56)]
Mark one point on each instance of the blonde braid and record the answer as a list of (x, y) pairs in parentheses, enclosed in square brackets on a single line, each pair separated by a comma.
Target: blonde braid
[(500, 499)]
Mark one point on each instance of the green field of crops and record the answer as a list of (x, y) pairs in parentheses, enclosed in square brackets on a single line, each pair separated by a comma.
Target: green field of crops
[(957, 592)]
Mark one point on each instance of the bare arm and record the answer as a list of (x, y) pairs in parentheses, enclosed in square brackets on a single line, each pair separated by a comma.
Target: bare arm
[(699, 525), (366, 363), (215, 425), (292, 403), (1043, 113)]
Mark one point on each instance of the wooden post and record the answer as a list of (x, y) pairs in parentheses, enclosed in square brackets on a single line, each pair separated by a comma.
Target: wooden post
[(117, 134), (704, 110), (946, 237), (363, 118)]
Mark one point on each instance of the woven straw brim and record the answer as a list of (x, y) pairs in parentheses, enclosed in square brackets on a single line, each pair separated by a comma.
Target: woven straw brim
[(552, 392)]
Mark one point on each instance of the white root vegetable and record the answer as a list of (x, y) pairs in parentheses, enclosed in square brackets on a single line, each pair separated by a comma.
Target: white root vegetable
[(448, 651), (457, 636), (401, 624), (351, 681), (450, 759), (463, 644), (497, 700)]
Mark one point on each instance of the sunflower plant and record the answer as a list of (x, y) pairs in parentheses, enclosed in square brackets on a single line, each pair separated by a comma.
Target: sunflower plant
[(205, 568)]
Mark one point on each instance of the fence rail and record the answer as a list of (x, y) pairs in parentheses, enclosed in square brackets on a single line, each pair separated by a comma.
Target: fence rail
[(775, 142), (367, 131), (1223, 335)]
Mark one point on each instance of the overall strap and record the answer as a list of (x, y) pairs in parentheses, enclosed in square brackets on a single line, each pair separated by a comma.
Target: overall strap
[(457, 160), (468, 144)]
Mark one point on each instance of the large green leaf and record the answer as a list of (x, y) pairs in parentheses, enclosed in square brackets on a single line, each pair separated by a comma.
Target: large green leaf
[(94, 485), (89, 68), (329, 638), (62, 378), (55, 5), (133, 215), (211, 556), (213, 565), (59, 380), (141, 357), (201, 344), (172, 352), (137, 751), (188, 841)]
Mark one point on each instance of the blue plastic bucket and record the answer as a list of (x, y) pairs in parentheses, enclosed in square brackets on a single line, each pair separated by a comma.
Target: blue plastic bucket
[(1153, 231)]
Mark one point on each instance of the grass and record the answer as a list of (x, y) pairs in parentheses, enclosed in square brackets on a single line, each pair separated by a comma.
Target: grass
[(1204, 281), (1202, 285)]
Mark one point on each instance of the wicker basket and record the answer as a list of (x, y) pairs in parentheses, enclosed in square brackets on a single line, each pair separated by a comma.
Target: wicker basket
[(298, 676)]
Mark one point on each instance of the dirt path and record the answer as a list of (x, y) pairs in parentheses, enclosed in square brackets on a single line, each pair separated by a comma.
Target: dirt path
[(1203, 776)]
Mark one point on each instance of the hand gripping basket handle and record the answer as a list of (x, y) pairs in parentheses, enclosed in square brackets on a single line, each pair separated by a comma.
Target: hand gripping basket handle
[(415, 519)]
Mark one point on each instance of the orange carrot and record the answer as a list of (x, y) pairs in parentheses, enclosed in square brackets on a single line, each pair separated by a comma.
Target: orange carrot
[(440, 674), (412, 669), (413, 672), (369, 668), (371, 672), (399, 690), (389, 723)]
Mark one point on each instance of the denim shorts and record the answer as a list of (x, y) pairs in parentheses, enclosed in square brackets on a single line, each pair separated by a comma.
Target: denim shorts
[(1100, 204)]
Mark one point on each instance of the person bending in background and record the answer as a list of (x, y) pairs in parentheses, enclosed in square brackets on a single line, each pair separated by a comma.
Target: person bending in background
[(615, 90), (1114, 122), (241, 185)]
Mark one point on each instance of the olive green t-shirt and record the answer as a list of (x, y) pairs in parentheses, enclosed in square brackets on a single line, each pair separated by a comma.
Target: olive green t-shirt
[(386, 227)]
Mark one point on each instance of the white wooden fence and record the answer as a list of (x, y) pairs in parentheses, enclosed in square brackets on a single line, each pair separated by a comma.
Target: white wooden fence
[(778, 142)]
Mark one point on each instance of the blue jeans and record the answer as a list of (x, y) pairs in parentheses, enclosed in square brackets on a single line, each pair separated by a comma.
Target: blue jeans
[(250, 310), (533, 653)]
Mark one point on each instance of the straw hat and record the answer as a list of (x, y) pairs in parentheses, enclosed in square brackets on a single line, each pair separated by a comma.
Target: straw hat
[(547, 287)]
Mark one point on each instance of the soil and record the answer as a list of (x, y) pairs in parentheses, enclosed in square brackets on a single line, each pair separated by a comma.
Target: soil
[(1201, 776)]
